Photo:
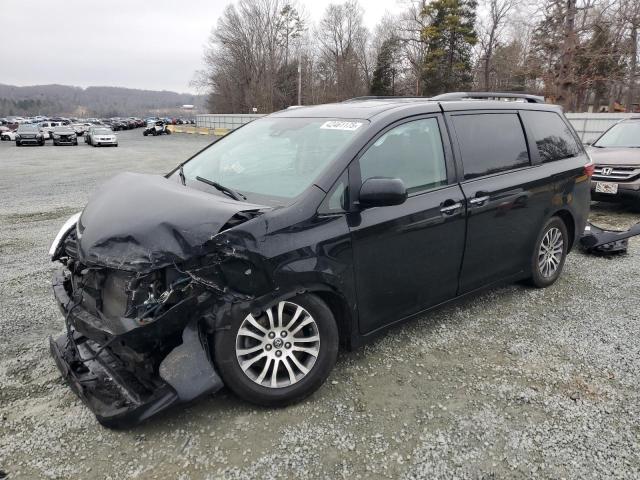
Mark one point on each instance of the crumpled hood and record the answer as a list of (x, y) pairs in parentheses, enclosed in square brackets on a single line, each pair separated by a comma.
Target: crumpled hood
[(615, 156), (142, 222)]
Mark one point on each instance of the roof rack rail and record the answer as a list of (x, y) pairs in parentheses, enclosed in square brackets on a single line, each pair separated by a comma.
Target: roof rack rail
[(488, 95), (384, 97)]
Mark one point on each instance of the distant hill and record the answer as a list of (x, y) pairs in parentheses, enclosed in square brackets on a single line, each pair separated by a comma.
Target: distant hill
[(92, 101)]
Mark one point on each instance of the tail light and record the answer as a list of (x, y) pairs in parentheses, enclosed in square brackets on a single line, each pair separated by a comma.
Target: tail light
[(589, 168)]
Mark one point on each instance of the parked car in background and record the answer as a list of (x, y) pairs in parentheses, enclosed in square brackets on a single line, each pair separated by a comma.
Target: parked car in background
[(616, 154), (7, 134), (156, 128), (48, 127), (29, 134), (64, 135), (100, 136), (80, 128), (250, 262)]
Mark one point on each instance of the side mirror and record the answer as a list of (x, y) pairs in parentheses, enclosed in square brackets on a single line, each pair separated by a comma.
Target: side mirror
[(382, 192)]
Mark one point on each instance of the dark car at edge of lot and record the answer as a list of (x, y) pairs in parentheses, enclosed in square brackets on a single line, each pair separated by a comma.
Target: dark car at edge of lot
[(64, 135), (616, 155), (251, 262), (29, 134)]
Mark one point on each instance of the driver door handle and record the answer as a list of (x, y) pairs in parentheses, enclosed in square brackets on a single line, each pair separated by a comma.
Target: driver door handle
[(449, 209)]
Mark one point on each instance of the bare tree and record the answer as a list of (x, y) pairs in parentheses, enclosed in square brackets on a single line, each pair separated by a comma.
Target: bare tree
[(491, 31), (342, 35)]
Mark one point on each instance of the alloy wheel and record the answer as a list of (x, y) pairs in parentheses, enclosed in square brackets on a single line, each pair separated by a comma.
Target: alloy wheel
[(280, 347), (550, 252)]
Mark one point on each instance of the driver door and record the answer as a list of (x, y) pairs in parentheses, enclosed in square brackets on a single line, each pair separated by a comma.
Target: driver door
[(407, 257)]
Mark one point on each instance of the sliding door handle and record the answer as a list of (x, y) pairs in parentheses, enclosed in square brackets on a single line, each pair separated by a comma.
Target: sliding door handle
[(479, 200)]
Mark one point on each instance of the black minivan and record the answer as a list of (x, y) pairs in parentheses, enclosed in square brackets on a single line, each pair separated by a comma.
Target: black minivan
[(252, 261)]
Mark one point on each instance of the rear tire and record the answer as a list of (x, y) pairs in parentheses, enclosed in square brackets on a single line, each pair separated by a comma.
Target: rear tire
[(549, 253), (296, 377)]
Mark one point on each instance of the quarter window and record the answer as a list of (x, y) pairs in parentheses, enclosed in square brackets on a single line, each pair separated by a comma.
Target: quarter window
[(552, 136), (490, 143), (411, 152)]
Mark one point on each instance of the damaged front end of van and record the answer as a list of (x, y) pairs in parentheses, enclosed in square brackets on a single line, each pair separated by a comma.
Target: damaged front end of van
[(148, 271)]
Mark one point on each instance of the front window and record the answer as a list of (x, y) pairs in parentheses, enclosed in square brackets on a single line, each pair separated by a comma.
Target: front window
[(27, 128), (626, 134), (274, 160), (411, 152)]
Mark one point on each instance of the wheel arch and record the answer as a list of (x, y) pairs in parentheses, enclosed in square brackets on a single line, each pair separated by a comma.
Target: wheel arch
[(341, 312), (569, 221)]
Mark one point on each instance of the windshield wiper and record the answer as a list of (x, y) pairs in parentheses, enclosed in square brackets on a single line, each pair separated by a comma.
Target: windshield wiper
[(226, 190), (181, 173)]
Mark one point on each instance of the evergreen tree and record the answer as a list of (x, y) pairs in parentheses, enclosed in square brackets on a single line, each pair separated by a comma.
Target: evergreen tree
[(383, 79), (450, 35)]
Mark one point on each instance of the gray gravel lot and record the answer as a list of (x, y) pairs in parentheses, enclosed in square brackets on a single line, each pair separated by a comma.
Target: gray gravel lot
[(514, 383)]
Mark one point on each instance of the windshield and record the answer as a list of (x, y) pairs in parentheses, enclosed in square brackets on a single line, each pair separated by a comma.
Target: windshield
[(63, 129), (626, 134), (274, 158), (25, 127), (102, 131)]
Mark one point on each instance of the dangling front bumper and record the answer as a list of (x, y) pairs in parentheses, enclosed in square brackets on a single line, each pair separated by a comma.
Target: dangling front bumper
[(120, 392)]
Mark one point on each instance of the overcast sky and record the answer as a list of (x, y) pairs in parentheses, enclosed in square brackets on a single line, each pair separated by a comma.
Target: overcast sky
[(152, 44)]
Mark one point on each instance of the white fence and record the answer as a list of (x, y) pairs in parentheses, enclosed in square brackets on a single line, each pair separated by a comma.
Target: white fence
[(590, 125), (228, 121)]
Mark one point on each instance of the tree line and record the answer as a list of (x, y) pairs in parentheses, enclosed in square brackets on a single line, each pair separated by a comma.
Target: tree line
[(267, 55), (92, 101)]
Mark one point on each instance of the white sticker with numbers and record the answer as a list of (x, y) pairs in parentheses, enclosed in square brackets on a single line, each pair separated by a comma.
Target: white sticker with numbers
[(341, 125)]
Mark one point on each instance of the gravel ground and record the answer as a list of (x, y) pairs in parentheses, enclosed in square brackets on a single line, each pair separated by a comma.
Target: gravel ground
[(514, 383)]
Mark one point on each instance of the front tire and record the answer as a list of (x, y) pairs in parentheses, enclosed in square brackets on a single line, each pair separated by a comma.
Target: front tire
[(281, 355), (549, 253)]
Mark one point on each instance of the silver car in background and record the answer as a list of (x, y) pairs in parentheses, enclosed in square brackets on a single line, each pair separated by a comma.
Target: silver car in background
[(100, 135)]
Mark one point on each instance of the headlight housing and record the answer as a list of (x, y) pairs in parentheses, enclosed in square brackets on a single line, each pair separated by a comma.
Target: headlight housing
[(17, 136), (55, 135), (68, 225)]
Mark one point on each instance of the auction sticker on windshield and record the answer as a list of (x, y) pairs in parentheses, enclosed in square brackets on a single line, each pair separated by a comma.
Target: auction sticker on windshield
[(341, 125)]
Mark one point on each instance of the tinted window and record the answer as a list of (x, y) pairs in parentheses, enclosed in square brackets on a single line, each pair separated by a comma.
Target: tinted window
[(552, 136), (412, 152), (490, 143)]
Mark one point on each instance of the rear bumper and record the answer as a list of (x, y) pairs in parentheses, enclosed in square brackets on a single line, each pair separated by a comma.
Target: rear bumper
[(114, 391)]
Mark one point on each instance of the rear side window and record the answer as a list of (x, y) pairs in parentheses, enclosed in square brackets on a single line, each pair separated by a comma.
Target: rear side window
[(490, 143), (552, 136)]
